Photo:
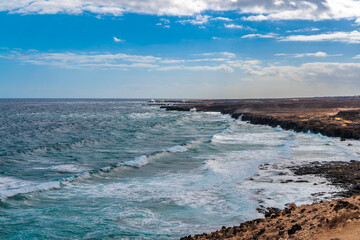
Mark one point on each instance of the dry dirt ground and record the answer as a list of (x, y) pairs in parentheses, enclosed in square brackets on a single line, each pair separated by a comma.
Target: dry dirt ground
[(337, 219)]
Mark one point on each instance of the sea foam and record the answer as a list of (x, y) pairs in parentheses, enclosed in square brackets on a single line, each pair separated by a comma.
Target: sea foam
[(176, 149), (137, 162)]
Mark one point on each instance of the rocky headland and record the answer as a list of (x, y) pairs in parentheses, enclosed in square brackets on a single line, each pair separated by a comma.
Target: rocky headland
[(329, 116)]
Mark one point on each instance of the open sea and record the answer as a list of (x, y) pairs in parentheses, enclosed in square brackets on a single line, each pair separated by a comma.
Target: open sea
[(123, 169)]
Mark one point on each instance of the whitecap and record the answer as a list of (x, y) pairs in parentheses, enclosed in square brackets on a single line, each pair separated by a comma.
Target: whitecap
[(68, 168), (229, 136), (176, 149), (137, 162), (10, 186)]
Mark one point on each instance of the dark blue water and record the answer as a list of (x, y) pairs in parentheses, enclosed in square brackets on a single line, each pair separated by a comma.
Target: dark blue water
[(123, 169)]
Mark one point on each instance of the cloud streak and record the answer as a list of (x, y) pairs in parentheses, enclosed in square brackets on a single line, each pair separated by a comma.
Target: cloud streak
[(120, 61), (257, 35), (234, 26), (118, 40), (250, 70), (259, 10), (347, 37), (316, 54)]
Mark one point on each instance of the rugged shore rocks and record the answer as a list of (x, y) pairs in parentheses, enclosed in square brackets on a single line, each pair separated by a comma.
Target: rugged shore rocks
[(324, 220), (320, 125), (343, 174), (302, 222)]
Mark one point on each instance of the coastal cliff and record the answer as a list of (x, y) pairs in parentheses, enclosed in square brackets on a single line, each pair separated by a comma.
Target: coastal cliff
[(325, 127)]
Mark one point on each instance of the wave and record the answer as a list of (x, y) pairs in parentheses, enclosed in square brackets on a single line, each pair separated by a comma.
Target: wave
[(137, 162), (230, 136), (11, 187), (15, 186)]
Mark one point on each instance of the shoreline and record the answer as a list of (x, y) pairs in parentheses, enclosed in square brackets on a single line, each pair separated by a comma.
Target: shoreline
[(336, 219), (329, 116), (332, 117)]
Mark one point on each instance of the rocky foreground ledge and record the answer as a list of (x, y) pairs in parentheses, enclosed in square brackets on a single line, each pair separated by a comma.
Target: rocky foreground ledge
[(334, 220), (330, 116), (337, 219)]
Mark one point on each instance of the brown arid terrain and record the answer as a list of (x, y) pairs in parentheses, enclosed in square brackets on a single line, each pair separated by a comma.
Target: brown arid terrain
[(338, 219), (330, 116)]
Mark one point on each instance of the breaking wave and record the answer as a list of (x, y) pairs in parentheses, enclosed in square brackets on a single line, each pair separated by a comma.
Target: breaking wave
[(10, 186)]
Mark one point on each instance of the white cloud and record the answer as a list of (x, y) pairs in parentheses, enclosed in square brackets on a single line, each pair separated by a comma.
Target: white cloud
[(222, 67), (304, 30), (172, 61), (310, 10), (348, 37), (261, 9), (234, 26), (202, 19), (165, 21), (316, 54), (225, 19), (357, 56), (118, 40), (198, 20), (357, 21), (257, 35), (216, 38), (226, 54)]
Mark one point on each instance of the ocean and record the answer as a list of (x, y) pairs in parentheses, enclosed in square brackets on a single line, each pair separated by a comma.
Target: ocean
[(124, 169)]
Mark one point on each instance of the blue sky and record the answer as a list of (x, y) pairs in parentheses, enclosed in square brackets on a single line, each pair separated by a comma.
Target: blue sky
[(179, 49)]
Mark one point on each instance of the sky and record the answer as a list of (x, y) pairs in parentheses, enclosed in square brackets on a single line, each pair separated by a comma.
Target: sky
[(179, 48)]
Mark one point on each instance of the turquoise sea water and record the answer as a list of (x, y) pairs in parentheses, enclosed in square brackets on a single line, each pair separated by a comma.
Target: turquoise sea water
[(122, 169)]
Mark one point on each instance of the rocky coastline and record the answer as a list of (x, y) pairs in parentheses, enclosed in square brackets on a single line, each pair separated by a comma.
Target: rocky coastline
[(333, 220), (332, 117), (323, 220)]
